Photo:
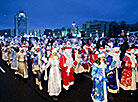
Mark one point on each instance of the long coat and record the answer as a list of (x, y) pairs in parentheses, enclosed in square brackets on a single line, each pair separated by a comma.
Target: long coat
[(99, 91), (14, 64), (54, 81), (66, 64), (128, 79)]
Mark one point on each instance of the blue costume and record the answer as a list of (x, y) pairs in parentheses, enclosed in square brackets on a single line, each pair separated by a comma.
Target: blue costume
[(112, 75), (36, 65), (99, 92)]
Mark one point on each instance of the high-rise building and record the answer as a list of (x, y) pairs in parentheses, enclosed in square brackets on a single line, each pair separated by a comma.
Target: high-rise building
[(21, 24), (98, 27)]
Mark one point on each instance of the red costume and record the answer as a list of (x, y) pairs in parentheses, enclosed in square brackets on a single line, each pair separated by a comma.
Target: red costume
[(66, 64), (128, 79)]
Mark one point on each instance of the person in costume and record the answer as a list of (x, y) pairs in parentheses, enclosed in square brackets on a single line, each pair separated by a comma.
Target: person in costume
[(113, 63), (85, 58), (99, 88), (128, 79), (54, 80), (9, 50), (14, 64), (67, 70), (4, 53), (36, 66), (78, 58), (22, 64), (136, 54), (86, 63)]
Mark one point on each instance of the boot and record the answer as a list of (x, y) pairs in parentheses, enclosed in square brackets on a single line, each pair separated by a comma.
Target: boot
[(40, 86), (36, 81)]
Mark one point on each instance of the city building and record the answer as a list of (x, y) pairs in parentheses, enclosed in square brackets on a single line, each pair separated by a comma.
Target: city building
[(57, 33), (98, 27), (134, 27), (7, 32), (86, 25), (48, 32), (21, 24), (35, 33)]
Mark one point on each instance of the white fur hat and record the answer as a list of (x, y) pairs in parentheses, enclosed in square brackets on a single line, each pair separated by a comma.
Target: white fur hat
[(101, 55), (68, 49), (130, 51), (116, 48)]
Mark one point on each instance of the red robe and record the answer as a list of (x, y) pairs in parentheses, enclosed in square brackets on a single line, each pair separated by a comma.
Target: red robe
[(67, 78), (128, 75)]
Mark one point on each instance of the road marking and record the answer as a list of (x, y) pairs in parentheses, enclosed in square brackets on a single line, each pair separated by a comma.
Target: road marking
[(2, 70)]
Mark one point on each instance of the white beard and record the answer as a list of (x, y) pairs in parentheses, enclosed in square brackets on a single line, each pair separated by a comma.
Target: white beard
[(69, 62), (116, 57)]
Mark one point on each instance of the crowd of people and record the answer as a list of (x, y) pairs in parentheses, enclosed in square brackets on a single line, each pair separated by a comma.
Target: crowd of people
[(112, 65)]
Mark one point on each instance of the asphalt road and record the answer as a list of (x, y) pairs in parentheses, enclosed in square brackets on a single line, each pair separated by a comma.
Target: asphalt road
[(14, 88)]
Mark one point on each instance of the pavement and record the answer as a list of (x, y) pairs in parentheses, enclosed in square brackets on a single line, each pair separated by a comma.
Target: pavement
[(14, 88)]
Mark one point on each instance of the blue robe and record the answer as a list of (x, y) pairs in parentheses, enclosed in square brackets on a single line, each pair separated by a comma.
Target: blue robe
[(112, 75), (99, 92), (36, 65)]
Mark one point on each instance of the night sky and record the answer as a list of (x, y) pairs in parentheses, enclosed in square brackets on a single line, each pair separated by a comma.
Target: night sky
[(61, 13)]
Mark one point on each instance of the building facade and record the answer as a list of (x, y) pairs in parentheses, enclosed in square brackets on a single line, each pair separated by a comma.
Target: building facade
[(35, 33), (48, 32), (98, 27), (7, 32), (21, 24)]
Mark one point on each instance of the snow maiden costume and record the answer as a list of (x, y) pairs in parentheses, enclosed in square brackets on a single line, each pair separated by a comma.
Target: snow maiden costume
[(36, 66), (99, 92), (54, 81)]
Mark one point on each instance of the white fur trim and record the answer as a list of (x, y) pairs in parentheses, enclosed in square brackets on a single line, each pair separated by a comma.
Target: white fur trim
[(127, 88), (116, 48), (101, 55), (71, 83), (66, 87), (65, 65), (112, 91)]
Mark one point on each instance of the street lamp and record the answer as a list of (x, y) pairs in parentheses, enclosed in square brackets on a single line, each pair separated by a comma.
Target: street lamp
[(96, 32), (6, 33), (73, 24), (90, 34), (53, 34), (102, 34), (122, 33), (62, 34), (127, 34), (35, 33)]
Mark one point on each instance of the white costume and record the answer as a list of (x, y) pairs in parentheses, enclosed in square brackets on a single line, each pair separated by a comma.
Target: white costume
[(54, 82)]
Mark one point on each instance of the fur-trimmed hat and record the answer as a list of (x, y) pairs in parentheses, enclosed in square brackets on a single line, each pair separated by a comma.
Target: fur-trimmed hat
[(101, 55)]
